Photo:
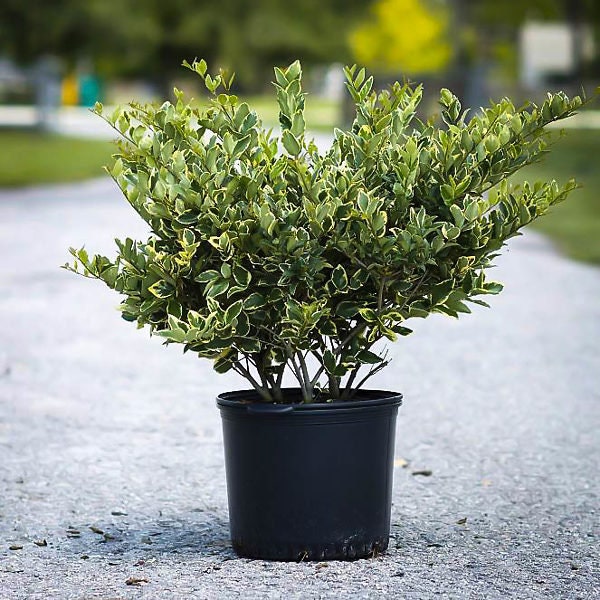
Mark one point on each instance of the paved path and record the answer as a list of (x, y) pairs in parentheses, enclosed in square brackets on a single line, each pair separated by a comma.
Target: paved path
[(101, 427)]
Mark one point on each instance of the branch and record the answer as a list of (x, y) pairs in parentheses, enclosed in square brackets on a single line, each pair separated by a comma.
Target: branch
[(307, 387), (264, 393), (372, 372)]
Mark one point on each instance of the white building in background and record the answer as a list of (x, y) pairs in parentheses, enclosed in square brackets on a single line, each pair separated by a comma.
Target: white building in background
[(552, 49)]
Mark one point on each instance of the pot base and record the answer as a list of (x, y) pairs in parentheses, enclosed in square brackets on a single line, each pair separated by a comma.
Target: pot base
[(313, 552)]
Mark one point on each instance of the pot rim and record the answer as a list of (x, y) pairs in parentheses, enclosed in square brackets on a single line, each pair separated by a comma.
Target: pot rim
[(239, 400)]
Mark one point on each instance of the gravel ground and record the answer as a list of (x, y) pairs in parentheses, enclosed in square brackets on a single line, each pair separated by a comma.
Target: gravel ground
[(111, 467)]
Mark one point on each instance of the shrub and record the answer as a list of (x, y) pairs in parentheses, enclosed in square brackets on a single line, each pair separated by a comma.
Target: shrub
[(265, 251)]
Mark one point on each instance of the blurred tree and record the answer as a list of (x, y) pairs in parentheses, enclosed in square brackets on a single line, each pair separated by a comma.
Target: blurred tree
[(149, 38), (29, 30), (403, 36), (152, 37)]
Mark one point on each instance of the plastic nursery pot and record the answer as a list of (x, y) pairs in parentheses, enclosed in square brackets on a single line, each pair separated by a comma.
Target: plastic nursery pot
[(309, 481)]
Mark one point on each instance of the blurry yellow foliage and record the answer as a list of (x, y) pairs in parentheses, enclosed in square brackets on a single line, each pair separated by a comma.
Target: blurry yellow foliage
[(403, 35)]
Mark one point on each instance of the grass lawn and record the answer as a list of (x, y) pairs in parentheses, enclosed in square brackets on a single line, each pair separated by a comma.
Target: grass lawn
[(29, 158), (573, 225)]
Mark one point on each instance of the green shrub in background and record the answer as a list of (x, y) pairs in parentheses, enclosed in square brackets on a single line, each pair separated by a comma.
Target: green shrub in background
[(265, 252)]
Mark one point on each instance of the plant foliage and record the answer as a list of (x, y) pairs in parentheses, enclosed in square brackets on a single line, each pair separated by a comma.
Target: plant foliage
[(264, 252)]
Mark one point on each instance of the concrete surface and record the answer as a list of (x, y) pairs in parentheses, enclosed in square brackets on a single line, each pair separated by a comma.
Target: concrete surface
[(102, 428)]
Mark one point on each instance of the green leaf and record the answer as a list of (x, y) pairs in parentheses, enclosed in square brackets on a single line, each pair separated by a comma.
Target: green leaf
[(242, 276), (280, 77), (294, 71), (162, 289), (451, 233), (458, 215), (329, 361), (363, 201), (290, 143), (189, 217), (233, 312), (294, 311), (109, 275), (347, 309), (254, 301), (207, 276), (339, 278), (447, 192), (298, 125), (368, 314), (493, 287), (242, 145), (224, 362), (441, 291), (216, 288), (379, 221), (368, 357)]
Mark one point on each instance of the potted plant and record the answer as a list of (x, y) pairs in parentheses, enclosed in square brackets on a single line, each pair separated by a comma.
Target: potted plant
[(272, 258)]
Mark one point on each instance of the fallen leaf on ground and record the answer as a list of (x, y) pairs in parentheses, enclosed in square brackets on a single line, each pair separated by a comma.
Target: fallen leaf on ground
[(40, 543), (136, 581), (97, 530), (15, 547), (424, 473), (461, 521), (400, 462)]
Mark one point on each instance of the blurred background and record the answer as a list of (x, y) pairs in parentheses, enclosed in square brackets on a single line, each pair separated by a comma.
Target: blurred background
[(58, 58)]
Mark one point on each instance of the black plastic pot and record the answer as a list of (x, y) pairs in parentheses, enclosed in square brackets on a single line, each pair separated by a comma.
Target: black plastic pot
[(309, 481)]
